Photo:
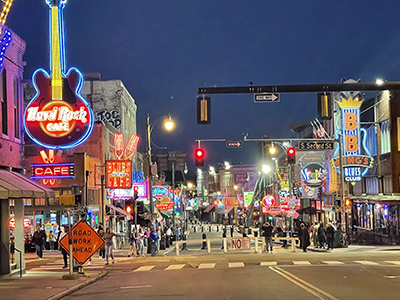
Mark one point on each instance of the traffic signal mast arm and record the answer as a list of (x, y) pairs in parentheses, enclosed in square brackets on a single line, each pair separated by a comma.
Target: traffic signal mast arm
[(302, 88)]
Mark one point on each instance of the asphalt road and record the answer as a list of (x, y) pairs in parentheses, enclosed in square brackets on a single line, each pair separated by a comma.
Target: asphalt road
[(353, 275)]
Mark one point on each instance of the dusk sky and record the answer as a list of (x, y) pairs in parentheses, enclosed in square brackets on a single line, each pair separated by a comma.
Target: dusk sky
[(164, 50)]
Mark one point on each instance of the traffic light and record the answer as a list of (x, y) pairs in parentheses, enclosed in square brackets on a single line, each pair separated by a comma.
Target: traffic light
[(135, 192), (348, 203), (199, 157), (203, 110), (291, 155), (324, 103), (129, 209)]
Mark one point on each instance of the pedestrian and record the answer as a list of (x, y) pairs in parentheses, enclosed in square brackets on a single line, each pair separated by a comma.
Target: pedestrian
[(38, 238), (154, 241), (108, 236), (140, 242), (148, 240), (304, 237), (177, 232), (132, 243), (52, 239), (330, 236), (268, 231), (315, 235), (232, 230), (223, 236), (321, 235), (102, 252), (168, 232), (61, 248)]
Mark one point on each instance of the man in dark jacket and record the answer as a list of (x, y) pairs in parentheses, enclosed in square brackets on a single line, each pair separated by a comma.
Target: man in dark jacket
[(268, 231), (38, 239), (304, 237), (321, 235)]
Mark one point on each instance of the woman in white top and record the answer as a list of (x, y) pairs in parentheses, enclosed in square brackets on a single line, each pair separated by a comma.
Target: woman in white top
[(139, 242)]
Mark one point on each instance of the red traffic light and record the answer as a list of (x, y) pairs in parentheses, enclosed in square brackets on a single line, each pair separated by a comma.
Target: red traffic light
[(129, 209), (135, 188), (291, 151), (291, 155), (199, 157)]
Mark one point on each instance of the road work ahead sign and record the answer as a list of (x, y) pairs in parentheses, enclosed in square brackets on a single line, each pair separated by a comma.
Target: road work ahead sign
[(85, 242)]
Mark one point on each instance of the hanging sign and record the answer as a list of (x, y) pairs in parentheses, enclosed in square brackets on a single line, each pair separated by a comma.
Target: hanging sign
[(58, 116), (11, 223), (357, 159), (26, 222), (119, 174)]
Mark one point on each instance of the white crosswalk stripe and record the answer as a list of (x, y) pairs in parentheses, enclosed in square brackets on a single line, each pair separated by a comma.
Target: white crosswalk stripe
[(268, 263), (301, 262), (175, 267), (366, 262), (144, 268), (206, 266), (333, 262), (394, 262), (236, 265)]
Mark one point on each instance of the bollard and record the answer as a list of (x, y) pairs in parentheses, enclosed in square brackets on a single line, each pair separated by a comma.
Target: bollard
[(202, 229), (204, 236), (209, 246), (225, 247), (256, 242), (184, 247)]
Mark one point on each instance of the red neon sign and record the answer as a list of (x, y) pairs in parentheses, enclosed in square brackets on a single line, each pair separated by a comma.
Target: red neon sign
[(164, 206), (26, 222), (11, 223), (52, 171), (119, 174)]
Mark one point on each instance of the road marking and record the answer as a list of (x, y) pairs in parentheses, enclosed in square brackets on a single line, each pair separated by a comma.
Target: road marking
[(135, 287), (144, 268), (395, 262), (366, 262), (320, 294), (206, 266), (333, 262), (268, 263), (236, 265), (301, 262), (175, 267)]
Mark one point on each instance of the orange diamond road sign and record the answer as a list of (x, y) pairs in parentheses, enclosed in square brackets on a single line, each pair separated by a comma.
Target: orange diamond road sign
[(85, 242)]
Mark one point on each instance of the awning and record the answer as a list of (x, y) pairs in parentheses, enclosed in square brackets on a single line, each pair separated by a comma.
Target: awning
[(209, 208), (16, 185), (119, 210)]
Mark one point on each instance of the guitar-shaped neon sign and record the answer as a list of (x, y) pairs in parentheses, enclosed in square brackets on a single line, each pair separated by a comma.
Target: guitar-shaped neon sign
[(58, 116)]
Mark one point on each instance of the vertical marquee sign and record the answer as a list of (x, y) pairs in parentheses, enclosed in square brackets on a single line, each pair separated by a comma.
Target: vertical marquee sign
[(58, 116), (356, 162)]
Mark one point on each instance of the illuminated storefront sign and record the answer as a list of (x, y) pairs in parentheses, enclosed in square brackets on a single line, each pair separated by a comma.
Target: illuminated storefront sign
[(248, 196), (124, 194), (160, 191), (52, 171), (11, 223), (357, 159), (314, 175), (119, 174), (58, 116), (26, 222), (269, 206)]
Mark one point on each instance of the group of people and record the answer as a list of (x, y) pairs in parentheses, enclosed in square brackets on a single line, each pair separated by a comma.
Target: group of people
[(321, 236)]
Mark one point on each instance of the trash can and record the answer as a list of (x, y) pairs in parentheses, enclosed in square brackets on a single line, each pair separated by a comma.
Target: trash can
[(336, 241)]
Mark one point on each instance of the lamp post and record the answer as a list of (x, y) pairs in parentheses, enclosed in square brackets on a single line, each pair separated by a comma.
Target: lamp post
[(169, 125)]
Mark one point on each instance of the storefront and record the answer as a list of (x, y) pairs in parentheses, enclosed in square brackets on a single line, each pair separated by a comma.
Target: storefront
[(15, 191)]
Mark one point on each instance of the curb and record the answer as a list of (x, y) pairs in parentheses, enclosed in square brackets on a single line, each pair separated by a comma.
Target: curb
[(75, 288)]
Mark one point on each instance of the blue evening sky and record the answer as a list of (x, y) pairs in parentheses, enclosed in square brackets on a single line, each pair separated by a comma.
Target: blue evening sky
[(163, 50)]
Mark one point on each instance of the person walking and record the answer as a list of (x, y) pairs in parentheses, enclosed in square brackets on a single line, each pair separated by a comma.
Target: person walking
[(148, 240), (232, 230), (330, 235), (268, 231), (223, 236), (108, 236), (321, 235), (38, 238), (132, 243), (52, 239), (154, 241), (315, 235), (61, 248), (304, 237), (177, 233), (102, 252), (140, 242)]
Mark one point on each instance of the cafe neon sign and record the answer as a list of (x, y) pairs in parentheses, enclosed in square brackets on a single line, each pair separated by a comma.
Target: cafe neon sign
[(355, 163)]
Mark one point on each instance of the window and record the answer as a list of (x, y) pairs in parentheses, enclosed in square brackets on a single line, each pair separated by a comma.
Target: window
[(16, 107), (40, 201), (387, 185), (27, 202), (371, 140), (385, 137), (371, 186), (4, 115)]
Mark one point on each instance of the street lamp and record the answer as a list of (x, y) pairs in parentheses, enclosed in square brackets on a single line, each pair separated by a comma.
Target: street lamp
[(168, 125)]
